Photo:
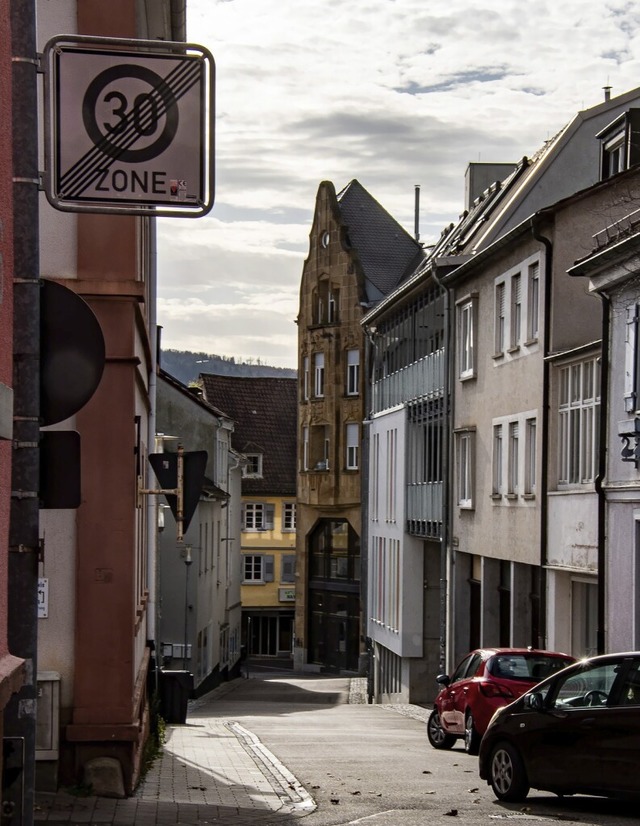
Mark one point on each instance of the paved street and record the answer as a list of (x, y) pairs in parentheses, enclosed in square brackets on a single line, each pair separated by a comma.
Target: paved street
[(277, 749)]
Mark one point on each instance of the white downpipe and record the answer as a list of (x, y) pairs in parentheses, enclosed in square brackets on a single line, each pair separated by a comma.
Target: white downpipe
[(152, 501)]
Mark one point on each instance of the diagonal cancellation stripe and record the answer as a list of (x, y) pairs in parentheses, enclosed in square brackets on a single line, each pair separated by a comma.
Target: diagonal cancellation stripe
[(85, 170)]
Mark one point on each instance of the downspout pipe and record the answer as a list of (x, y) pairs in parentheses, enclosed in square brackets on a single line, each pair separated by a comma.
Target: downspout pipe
[(541, 642), (446, 560), (601, 632), (152, 499)]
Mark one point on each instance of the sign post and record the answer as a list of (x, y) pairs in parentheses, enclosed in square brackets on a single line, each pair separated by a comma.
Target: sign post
[(129, 126)]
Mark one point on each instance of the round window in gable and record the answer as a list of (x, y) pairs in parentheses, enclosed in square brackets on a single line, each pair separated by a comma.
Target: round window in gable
[(324, 239)]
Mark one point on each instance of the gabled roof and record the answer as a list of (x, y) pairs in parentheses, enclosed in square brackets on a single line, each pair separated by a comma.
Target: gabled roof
[(386, 251), (565, 164), (264, 410)]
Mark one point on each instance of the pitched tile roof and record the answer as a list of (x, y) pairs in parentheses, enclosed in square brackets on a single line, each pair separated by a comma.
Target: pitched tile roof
[(387, 252), (264, 410)]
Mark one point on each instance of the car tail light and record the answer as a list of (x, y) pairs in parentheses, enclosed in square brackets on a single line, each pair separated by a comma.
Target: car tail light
[(496, 690)]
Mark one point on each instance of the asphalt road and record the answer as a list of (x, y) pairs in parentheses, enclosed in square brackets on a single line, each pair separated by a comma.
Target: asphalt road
[(372, 765)]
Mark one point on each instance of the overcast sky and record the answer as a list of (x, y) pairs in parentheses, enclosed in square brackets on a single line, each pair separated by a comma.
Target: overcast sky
[(393, 93)]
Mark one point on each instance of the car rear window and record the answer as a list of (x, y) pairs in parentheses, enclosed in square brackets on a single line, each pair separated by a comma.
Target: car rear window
[(530, 667)]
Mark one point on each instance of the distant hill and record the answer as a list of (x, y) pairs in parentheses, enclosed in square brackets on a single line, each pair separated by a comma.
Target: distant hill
[(186, 366)]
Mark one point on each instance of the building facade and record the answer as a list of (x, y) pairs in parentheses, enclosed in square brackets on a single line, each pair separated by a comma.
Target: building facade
[(199, 577), (264, 412), (357, 254), (100, 559)]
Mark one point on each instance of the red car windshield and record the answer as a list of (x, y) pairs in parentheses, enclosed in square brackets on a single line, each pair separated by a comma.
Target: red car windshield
[(528, 667)]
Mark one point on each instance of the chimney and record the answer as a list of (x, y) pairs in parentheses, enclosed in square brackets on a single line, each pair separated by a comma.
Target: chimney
[(607, 93), (416, 219)]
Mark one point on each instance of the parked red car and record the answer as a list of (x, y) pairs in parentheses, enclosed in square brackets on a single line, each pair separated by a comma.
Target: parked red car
[(484, 681)]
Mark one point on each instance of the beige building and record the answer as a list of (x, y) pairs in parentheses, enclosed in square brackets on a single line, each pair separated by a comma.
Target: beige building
[(357, 254)]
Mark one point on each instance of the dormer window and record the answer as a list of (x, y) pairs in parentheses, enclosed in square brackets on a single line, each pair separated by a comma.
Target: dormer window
[(620, 144), (253, 468)]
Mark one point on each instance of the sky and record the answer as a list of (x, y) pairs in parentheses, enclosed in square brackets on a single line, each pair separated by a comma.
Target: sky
[(393, 93)]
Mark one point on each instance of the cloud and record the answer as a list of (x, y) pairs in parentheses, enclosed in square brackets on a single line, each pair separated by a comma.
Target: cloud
[(391, 92)]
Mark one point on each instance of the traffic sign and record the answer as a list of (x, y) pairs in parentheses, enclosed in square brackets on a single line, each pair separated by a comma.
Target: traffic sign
[(129, 126)]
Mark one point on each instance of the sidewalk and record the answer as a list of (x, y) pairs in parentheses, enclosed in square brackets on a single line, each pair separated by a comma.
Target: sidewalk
[(211, 770)]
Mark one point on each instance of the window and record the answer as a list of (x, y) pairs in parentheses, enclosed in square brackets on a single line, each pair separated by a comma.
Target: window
[(353, 372), (305, 448), (500, 317), (533, 303), (514, 447), (252, 567), (632, 360), (530, 458), (516, 310), (579, 410), (352, 442), (319, 447), (257, 567), (464, 457), (467, 312), (305, 378), (253, 468), (497, 460), (517, 303), (619, 144), (319, 375), (326, 304), (289, 516), (257, 516), (288, 570)]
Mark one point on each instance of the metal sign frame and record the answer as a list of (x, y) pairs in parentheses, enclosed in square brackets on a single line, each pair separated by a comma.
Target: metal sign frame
[(114, 158)]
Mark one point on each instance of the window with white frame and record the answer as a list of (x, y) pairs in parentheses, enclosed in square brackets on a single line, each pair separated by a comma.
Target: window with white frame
[(352, 438), (464, 467), (392, 469), (305, 447), (253, 468), (257, 567), (318, 362), (513, 459), (533, 301), (305, 378), (578, 413), (632, 360), (466, 334), (500, 317), (353, 372), (497, 460), (288, 516), (530, 447), (517, 309), (257, 516)]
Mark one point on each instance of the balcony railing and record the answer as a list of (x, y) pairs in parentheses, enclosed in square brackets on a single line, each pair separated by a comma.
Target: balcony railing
[(422, 379), (424, 508)]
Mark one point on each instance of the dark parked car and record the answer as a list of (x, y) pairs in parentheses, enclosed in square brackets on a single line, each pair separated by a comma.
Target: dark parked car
[(484, 681), (576, 732)]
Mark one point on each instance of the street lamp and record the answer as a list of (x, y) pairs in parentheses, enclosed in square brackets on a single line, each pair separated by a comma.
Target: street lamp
[(187, 563)]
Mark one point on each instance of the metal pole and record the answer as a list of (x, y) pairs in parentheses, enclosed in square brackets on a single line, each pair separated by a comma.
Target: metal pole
[(187, 563), (20, 713)]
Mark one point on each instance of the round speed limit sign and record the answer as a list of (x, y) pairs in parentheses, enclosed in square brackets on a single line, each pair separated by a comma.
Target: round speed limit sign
[(130, 129)]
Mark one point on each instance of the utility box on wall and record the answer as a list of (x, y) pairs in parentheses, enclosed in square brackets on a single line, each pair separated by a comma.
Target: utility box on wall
[(48, 730)]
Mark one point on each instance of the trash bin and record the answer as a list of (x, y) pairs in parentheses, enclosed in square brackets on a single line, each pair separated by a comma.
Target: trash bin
[(175, 690)]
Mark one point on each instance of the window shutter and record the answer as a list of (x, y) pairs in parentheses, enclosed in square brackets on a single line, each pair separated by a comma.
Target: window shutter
[(268, 568), (288, 568), (269, 512)]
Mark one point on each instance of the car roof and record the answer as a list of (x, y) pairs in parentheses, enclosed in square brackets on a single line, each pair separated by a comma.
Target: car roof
[(489, 652)]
